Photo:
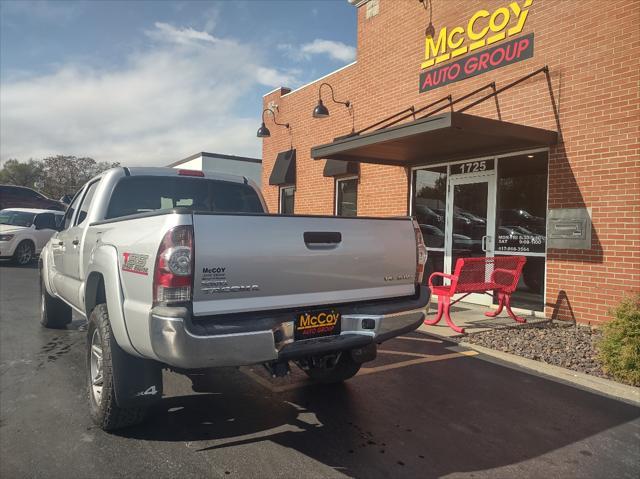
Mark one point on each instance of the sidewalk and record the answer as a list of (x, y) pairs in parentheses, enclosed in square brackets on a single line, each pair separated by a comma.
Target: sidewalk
[(472, 318)]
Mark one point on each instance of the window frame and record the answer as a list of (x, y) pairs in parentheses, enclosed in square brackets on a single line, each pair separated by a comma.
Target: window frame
[(497, 158), (70, 212), (337, 190), (281, 190), (82, 202)]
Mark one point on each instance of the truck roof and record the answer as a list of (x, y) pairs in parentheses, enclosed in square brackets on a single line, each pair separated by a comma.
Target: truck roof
[(164, 171)]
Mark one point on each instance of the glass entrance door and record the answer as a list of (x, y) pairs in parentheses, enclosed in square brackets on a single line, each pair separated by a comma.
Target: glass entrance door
[(470, 221)]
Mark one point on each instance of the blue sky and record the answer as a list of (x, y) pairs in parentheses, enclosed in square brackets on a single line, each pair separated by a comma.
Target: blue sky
[(150, 82)]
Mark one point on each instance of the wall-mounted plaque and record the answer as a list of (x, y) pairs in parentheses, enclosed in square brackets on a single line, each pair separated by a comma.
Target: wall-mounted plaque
[(569, 228)]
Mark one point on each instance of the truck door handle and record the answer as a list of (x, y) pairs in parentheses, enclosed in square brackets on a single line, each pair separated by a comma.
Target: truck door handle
[(322, 237), (75, 242), (60, 243)]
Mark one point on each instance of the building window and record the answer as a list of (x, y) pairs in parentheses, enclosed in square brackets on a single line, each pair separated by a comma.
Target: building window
[(287, 196), (428, 205), (347, 197), (521, 218)]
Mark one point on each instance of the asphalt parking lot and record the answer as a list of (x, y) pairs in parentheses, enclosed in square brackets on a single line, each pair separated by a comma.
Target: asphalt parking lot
[(423, 409)]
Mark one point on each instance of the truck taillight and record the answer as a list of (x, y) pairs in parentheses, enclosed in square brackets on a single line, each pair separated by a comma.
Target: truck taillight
[(421, 252), (173, 276)]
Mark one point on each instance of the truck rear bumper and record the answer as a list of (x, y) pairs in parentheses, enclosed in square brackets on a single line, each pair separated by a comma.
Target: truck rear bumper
[(183, 342)]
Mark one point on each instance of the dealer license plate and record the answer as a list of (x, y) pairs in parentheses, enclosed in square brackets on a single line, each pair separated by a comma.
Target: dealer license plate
[(315, 324)]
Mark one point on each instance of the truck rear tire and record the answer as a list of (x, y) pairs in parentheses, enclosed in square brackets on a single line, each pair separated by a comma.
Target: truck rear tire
[(344, 369), (54, 313), (105, 412)]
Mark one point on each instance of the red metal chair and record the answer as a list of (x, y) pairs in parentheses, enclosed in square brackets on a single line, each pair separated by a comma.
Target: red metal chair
[(499, 274)]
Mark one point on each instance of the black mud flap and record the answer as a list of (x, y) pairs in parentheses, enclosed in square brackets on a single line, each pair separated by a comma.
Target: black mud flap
[(137, 382)]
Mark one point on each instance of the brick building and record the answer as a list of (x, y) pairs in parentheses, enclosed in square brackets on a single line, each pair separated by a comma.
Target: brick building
[(548, 168)]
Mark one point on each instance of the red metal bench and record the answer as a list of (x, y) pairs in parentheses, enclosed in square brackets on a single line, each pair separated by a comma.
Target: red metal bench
[(478, 275)]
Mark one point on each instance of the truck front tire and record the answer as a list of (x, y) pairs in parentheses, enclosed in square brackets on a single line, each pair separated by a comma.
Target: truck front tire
[(54, 313), (105, 411), (345, 368)]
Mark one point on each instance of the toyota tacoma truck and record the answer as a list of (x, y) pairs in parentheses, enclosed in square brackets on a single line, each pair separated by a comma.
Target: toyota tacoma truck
[(187, 270)]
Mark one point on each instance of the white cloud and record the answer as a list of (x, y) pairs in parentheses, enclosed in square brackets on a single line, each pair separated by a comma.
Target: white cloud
[(179, 96), (335, 50), (185, 36)]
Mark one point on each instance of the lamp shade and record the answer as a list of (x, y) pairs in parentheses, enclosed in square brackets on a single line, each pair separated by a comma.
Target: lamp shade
[(430, 31), (263, 131), (320, 111)]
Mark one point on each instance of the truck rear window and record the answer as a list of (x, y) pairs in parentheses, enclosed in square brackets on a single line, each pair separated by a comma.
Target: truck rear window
[(141, 194)]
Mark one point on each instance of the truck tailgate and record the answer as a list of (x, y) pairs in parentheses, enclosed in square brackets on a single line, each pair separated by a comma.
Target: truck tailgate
[(263, 262)]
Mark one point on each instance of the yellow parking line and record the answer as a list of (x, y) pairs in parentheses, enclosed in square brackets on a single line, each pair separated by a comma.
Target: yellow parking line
[(405, 353), (419, 359), (411, 362), (426, 340)]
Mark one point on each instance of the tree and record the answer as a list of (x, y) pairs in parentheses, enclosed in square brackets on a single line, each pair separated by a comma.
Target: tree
[(54, 176), (64, 175), (16, 173)]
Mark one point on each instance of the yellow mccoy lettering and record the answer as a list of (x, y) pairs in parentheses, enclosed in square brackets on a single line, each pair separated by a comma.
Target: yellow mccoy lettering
[(478, 32), (322, 319)]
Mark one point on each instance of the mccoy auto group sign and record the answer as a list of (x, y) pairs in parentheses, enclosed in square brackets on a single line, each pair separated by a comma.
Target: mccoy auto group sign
[(484, 28)]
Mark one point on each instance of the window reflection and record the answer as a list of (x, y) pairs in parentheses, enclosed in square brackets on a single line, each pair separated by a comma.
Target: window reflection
[(521, 221), (347, 199), (287, 199), (429, 204), (469, 220), (522, 204)]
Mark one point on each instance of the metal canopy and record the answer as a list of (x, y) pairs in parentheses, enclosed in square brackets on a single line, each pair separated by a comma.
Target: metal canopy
[(284, 169), (340, 168), (444, 137)]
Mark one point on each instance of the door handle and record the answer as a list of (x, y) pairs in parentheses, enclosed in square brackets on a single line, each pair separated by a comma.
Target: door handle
[(322, 237), (60, 243), (75, 242), (483, 244)]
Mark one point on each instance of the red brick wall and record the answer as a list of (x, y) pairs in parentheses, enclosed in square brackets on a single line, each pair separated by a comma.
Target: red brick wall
[(593, 52)]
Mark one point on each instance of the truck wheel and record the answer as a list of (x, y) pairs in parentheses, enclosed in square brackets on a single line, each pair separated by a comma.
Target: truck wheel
[(54, 313), (344, 369), (24, 253), (102, 400)]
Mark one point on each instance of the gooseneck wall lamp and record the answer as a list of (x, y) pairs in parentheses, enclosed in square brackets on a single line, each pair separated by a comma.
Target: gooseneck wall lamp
[(263, 131), (321, 111), (430, 31)]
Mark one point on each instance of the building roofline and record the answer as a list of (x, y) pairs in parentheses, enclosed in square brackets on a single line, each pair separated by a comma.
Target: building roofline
[(283, 91), (311, 82), (205, 154), (322, 77)]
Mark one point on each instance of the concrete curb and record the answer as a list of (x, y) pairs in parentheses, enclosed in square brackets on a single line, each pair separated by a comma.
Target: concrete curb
[(604, 387)]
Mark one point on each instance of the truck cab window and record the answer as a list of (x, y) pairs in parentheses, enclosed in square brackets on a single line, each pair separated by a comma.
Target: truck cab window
[(86, 202), (70, 210), (141, 194)]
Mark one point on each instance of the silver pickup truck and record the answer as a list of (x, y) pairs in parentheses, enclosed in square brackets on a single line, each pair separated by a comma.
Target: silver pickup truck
[(186, 270)]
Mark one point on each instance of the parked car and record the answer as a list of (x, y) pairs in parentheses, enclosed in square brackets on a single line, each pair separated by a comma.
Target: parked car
[(66, 199), (187, 270), (22, 197), (523, 218), (434, 238), (24, 232)]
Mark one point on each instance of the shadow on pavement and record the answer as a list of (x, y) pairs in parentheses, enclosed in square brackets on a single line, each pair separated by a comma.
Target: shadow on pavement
[(426, 420)]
